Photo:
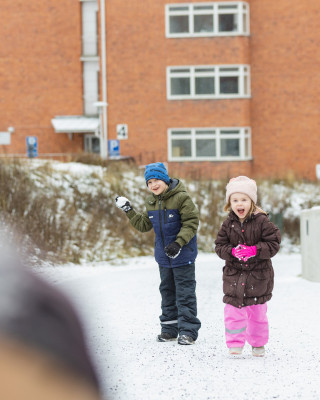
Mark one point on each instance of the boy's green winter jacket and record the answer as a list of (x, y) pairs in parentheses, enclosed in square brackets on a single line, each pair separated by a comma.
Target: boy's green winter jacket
[(174, 217)]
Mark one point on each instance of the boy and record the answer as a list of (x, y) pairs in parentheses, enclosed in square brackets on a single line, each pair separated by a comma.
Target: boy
[(175, 219)]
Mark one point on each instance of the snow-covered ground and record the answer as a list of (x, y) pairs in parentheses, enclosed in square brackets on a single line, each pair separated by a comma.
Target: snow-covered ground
[(120, 305)]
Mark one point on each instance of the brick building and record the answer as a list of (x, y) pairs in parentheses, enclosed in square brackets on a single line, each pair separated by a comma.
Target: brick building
[(214, 88)]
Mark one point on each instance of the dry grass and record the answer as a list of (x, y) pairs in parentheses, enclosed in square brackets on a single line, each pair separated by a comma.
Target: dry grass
[(52, 223)]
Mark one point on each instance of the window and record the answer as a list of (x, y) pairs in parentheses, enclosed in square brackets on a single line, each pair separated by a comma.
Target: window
[(90, 87), (208, 82), (90, 56), (89, 28), (209, 144), (207, 19), (92, 144)]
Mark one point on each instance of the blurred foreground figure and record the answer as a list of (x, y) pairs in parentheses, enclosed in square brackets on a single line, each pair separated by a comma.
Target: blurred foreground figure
[(43, 354)]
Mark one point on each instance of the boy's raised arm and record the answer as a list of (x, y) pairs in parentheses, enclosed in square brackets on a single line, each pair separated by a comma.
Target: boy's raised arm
[(141, 222)]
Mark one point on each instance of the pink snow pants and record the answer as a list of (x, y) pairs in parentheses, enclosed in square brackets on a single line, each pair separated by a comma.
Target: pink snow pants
[(246, 324)]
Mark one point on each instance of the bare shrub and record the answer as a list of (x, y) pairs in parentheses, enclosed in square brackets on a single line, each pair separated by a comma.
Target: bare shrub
[(62, 217), (60, 222)]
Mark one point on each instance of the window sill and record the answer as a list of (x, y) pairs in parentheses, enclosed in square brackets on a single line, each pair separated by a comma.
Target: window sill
[(228, 159)]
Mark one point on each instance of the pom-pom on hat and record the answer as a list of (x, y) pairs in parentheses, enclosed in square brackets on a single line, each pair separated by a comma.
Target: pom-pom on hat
[(156, 171), (242, 184)]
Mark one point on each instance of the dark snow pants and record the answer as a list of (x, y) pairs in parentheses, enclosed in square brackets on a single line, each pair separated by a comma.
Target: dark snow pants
[(178, 301)]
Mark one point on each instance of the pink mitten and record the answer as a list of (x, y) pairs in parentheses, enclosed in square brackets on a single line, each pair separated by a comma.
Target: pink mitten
[(247, 252), (235, 251)]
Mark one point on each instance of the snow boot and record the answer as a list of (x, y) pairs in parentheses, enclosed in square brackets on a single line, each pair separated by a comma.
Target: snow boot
[(236, 351), (184, 339), (258, 351), (166, 337)]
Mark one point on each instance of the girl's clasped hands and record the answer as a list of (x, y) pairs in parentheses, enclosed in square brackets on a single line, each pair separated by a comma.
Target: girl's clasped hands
[(243, 252)]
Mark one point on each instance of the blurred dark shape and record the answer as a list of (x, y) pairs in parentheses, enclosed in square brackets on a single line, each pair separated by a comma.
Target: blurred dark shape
[(42, 344)]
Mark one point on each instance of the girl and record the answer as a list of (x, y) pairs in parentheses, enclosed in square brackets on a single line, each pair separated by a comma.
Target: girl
[(246, 241)]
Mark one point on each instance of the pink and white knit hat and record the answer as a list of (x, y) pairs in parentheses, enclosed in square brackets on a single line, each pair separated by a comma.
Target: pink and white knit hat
[(242, 184)]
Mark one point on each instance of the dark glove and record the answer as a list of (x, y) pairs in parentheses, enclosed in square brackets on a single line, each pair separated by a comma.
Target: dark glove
[(123, 203), (172, 250)]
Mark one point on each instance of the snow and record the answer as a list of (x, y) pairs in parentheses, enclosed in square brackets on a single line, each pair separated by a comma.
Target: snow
[(119, 305)]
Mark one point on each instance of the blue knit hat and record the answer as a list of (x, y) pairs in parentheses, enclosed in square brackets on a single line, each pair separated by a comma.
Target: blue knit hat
[(156, 171)]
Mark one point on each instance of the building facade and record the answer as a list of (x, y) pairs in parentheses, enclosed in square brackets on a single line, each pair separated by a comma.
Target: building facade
[(213, 88)]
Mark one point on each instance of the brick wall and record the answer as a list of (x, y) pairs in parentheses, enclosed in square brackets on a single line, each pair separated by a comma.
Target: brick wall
[(137, 83), (285, 87), (283, 112), (41, 77), (40, 72)]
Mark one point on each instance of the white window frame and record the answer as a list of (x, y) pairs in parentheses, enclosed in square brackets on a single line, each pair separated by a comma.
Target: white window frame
[(193, 72), (240, 8), (217, 134)]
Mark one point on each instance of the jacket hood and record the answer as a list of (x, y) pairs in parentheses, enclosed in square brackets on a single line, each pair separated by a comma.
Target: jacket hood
[(175, 186)]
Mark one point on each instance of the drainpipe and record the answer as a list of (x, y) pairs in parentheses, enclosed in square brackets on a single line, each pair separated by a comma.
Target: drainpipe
[(104, 127)]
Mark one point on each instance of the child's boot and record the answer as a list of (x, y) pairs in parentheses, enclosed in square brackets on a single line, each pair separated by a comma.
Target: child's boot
[(166, 337), (258, 351), (185, 339), (237, 351)]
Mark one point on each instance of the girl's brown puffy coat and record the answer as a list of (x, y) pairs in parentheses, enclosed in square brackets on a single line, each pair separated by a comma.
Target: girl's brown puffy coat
[(251, 282)]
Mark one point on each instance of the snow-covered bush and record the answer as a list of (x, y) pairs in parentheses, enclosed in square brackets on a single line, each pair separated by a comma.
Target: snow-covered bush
[(66, 212)]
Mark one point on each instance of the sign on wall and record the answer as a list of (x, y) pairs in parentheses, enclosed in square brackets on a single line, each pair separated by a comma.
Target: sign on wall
[(5, 138), (113, 148), (318, 171), (122, 131), (32, 146)]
